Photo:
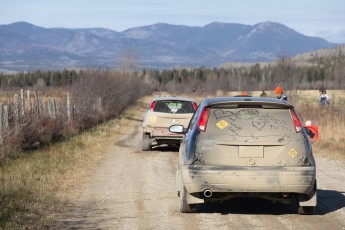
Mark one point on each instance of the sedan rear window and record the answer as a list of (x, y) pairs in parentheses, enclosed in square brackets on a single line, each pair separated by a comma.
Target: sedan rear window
[(174, 107)]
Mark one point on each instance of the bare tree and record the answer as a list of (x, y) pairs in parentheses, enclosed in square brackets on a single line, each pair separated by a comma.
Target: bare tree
[(284, 72)]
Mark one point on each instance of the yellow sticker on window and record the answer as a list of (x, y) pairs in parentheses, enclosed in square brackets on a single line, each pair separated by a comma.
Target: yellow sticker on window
[(222, 124), (293, 153)]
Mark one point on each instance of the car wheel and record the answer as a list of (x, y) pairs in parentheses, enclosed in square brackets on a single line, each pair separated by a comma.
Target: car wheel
[(147, 140), (184, 206), (306, 210), (309, 210)]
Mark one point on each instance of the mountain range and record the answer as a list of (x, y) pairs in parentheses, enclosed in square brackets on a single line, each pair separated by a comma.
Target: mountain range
[(24, 46)]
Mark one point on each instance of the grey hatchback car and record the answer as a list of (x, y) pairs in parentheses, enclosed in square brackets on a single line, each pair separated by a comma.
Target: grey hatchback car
[(245, 146)]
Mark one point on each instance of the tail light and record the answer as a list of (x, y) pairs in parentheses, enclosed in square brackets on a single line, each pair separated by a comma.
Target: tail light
[(195, 106), (202, 123), (296, 121), (152, 105)]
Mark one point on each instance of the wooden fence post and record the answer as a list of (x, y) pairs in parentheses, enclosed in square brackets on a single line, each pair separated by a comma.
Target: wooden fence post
[(50, 107), (99, 104), (1, 140), (29, 100), (56, 112), (40, 105), (37, 104), (22, 109), (16, 109), (5, 117), (68, 108)]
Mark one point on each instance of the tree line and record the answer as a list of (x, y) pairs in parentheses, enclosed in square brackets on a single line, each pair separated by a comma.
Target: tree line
[(287, 72)]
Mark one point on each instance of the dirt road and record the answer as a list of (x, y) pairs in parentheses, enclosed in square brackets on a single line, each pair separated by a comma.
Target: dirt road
[(132, 189)]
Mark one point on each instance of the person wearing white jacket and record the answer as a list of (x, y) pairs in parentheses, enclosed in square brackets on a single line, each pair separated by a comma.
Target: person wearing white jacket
[(324, 98)]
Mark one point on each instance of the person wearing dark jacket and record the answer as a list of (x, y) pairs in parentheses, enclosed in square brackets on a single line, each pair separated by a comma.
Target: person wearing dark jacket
[(280, 94)]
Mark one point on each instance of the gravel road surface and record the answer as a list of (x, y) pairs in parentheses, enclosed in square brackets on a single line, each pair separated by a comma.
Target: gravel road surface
[(132, 189)]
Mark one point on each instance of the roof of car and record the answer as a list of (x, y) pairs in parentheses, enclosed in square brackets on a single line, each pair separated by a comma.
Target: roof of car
[(245, 99), (172, 98)]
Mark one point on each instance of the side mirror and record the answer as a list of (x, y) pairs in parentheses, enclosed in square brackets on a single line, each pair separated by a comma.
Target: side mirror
[(177, 129), (312, 131)]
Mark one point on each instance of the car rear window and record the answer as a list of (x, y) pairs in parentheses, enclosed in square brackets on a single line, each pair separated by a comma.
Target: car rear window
[(174, 107), (250, 122)]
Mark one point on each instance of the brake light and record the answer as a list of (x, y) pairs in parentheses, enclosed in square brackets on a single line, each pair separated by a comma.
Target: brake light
[(195, 106), (296, 121), (152, 105), (202, 123)]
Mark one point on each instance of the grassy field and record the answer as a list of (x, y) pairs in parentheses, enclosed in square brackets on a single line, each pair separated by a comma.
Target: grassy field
[(33, 184)]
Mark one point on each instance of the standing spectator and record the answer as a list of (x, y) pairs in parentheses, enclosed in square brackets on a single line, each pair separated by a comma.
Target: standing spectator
[(244, 94), (280, 94), (263, 94), (324, 98)]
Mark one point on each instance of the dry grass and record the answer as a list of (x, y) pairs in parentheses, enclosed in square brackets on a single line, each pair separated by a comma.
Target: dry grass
[(38, 184)]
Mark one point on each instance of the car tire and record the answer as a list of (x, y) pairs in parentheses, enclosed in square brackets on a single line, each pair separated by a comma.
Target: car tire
[(306, 210), (146, 143), (184, 206), (309, 210)]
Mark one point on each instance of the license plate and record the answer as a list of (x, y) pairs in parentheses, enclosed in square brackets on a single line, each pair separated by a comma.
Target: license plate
[(251, 151)]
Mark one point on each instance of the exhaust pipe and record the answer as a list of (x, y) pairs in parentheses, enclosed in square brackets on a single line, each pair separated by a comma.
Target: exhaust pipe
[(207, 193)]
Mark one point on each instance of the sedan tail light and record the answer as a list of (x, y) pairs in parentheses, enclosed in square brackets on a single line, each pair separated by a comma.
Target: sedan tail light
[(195, 106), (152, 105), (202, 123), (296, 121)]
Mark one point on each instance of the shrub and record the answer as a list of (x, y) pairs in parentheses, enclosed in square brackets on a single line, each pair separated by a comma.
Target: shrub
[(94, 97)]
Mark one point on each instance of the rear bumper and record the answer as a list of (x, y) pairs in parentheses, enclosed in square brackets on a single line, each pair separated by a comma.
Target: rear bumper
[(298, 180), (164, 135)]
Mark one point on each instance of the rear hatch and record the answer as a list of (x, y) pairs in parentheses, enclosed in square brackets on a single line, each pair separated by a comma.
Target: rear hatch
[(252, 134), (159, 120), (167, 113)]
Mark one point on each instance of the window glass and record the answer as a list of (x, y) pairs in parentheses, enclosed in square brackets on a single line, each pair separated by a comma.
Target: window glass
[(178, 107), (250, 122)]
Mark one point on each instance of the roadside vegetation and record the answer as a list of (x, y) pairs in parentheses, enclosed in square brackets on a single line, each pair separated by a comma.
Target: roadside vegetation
[(63, 104), (41, 154), (38, 185)]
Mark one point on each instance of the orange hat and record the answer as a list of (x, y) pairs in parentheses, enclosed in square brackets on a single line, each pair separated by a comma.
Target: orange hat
[(278, 90)]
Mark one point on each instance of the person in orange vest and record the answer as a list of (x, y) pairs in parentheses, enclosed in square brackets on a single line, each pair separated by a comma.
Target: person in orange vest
[(280, 94)]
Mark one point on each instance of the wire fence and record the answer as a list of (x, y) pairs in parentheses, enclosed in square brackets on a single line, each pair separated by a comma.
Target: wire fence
[(29, 106), (33, 117)]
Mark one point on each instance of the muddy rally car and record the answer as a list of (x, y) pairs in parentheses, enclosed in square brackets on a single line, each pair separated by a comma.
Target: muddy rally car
[(245, 146), (164, 112)]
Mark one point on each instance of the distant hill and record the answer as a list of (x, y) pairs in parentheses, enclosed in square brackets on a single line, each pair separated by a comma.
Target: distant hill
[(322, 53), (24, 46)]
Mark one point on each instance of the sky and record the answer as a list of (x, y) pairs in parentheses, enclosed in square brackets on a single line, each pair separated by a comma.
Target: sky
[(321, 18)]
